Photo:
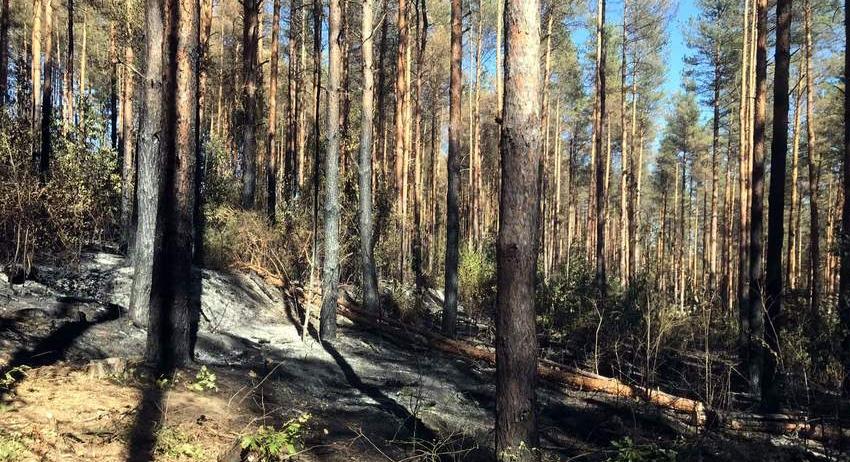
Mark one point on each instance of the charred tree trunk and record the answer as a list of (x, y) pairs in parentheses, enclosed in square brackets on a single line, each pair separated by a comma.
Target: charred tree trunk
[(4, 52), (175, 291), (150, 166), (330, 271), (776, 200), (844, 280), (516, 333), (271, 136), (599, 167), (369, 276), (755, 361), (814, 168), (453, 174), (46, 151), (250, 42)]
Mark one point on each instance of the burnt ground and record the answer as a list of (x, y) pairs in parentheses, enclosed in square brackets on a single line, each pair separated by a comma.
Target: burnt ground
[(370, 396)]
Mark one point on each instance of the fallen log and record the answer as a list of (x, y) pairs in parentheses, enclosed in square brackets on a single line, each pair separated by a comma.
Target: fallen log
[(696, 411)]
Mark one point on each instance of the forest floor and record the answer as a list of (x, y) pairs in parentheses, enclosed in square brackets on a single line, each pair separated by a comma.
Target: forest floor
[(65, 394)]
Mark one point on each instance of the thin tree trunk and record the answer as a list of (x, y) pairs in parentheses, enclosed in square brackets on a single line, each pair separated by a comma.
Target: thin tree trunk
[(330, 272), (128, 171), (46, 151), (516, 338), (68, 88), (814, 167), (793, 210), (35, 74), (369, 275), (599, 167), (317, 88), (113, 92), (844, 280), (271, 134), (744, 178), (4, 52)]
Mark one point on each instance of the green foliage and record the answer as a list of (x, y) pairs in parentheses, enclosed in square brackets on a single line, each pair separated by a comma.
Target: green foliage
[(271, 443), (173, 442), (477, 281), (12, 376), (75, 206), (628, 451), (12, 447), (205, 380)]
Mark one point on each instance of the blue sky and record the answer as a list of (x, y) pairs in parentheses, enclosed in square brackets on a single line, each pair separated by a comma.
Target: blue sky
[(677, 49)]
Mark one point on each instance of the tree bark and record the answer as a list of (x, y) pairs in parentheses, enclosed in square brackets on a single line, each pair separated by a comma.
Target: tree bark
[(4, 52), (128, 170), (68, 90), (46, 151), (794, 209), (776, 203), (330, 272), (844, 280), (151, 165), (599, 167), (175, 291), (369, 276), (271, 134), (250, 41), (517, 246), (814, 167), (453, 174), (755, 361), (35, 74)]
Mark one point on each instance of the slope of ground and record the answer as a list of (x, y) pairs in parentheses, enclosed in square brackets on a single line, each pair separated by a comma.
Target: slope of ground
[(369, 396)]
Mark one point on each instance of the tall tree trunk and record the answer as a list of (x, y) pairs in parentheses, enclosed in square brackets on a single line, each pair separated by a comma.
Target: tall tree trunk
[(83, 107), (4, 52), (453, 173), (271, 136), (113, 92), (794, 208), (369, 276), (175, 292), (330, 272), (203, 107), (151, 165), (744, 178), (35, 75), (814, 167), (757, 303), (844, 280), (68, 90), (516, 330), (715, 148), (776, 204), (599, 167), (317, 88), (250, 41), (624, 156), (128, 170), (46, 151)]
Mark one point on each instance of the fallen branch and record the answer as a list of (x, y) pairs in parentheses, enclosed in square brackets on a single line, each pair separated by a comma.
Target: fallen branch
[(696, 411)]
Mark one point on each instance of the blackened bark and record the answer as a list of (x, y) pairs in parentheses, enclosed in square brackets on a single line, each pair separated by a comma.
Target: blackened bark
[(516, 331), (175, 292), (757, 305), (775, 228), (150, 163), (369, 274), (46, 151), (250, 40), (271, 140), (599, 168), (453, 175), (330, 270)]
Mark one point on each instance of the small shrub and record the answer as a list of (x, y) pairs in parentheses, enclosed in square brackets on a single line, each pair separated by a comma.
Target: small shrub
[(205, 380), (12, 449), (477, 282), (173, 442), (628, 451), (274, 444)]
